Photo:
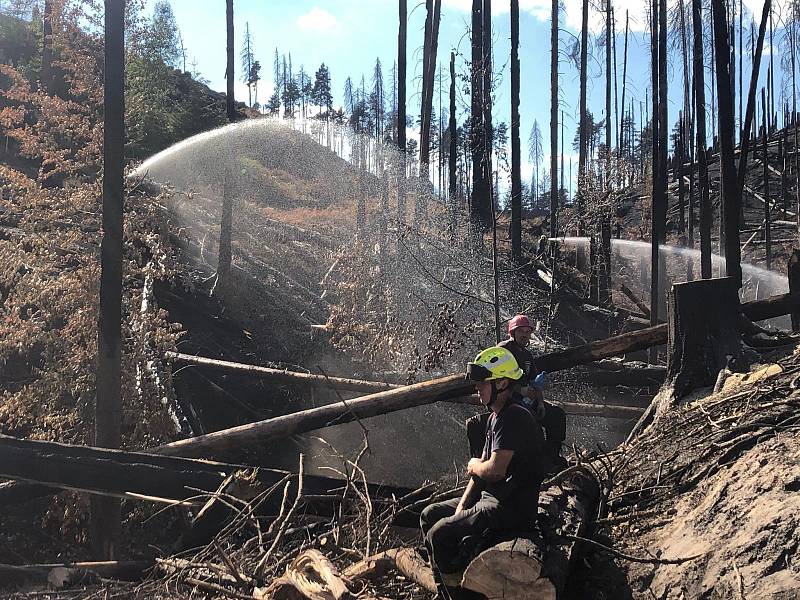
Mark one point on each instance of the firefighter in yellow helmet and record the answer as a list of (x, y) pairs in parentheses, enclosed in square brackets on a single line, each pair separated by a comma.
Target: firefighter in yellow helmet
[(504, 479)]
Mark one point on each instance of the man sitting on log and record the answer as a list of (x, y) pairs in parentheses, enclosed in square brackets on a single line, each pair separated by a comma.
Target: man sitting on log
[(552, 418), (503, 491)]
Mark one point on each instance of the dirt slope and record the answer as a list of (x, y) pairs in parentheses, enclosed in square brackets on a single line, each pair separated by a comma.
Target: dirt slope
[(717, 479)]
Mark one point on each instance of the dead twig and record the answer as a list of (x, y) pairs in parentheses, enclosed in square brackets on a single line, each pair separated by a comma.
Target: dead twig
[(638, 559)]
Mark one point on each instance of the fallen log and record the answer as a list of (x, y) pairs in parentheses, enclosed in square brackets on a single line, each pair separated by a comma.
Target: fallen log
[(428, 392), (147, 476), (533, 566), (282, 375), (61, 575), (579, 409), (407, 561)]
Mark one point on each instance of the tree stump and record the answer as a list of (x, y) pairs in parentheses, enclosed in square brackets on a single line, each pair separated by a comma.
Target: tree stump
[(703, 332), (794, 283)]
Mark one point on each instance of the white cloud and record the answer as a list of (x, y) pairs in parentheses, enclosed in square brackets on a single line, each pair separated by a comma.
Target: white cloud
[(318, 20)]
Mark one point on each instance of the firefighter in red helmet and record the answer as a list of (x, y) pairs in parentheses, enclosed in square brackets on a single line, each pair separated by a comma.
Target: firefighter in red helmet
[(552, 418)]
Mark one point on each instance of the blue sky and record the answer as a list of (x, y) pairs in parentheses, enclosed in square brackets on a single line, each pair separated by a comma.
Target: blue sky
[(348, 35)]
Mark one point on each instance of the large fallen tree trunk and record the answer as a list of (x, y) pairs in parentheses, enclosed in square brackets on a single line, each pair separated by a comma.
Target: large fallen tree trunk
[(428, 392), (531, 566), (148, 476), (281, 375), (61, 575)]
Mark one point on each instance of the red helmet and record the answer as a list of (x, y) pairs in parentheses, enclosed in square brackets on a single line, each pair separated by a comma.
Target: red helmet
[(517, 322)]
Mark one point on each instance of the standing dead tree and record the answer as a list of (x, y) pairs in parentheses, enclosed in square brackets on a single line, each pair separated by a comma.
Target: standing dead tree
[(105, 523), (730, 193), (702, 158)]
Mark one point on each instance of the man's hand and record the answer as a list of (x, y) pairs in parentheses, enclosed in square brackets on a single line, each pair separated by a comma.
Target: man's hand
[(471, 465)]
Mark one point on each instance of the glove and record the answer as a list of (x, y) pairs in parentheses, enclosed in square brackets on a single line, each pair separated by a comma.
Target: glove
[(540, 381)]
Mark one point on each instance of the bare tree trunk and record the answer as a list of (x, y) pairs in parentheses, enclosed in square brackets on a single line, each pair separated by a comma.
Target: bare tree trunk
[(730, 193), (655, 234), (741, 64), (429, 73), (488, 130), (751, 98), (624, 72), (401, 109), (582, 124), (767, 232), (700, 121), (680, 159), (772, 71), (46, 73), (516, 175), (229, 71), (224, 253), (105, 512), (554, 118), (451, 171), (480, 197)]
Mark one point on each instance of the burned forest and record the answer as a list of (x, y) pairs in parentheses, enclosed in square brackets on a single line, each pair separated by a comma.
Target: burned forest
[(308, 302)]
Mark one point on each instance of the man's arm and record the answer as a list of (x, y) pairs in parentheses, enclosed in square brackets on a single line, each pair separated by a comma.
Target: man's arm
[(493, 469)]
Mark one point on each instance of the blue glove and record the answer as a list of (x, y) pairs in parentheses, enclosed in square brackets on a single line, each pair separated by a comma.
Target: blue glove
[(540, 381)]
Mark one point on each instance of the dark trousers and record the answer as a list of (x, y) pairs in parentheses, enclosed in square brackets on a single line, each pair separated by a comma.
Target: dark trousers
[(444, 530)]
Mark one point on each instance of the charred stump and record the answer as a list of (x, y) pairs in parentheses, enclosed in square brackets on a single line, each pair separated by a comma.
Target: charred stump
[(794, 284), (703, 332)]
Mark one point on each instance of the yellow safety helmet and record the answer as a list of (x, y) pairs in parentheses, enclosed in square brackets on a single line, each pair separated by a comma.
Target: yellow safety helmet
[(494, 363)]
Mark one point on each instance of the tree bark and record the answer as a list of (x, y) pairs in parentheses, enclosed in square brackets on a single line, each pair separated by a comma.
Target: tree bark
[(751, 99), (105, 512), (583, 133), (488, 128), (46, 73), (700, 120), (480, 193), (516, 166), (703, 331), (401, 109), (429, 66), (767, 206), (528, 568), (554, 200), (230, 103), (224, 252), (655, 196), (283, 376), (731, 196), (451, 171)]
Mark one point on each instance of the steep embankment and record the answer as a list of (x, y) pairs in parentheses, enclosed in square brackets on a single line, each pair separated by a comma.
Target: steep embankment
[(709, 499)]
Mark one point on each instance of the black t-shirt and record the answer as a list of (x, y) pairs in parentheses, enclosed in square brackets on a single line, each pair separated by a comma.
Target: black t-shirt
[(514, 428), (524, 358)]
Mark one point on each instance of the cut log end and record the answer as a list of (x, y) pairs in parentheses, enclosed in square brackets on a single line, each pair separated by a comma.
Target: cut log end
[(510, 569)]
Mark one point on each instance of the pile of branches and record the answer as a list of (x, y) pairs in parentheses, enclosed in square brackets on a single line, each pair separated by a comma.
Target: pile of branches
[(696, 440), (353, 552)]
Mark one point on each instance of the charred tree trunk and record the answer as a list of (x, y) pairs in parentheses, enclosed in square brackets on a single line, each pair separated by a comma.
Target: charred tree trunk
[(105, 512), (703, 330), (656, 199), (488, 129), (429, 61), (554, 200), (680, 157), (751, 99), (767, 205), (793, 272), (401, 109), (224, 253), (230, 103), (701, 147), (582, 125), (620, 133), (730, 193), (451, 171), (516, 175), (480, 185), (46, 73)]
